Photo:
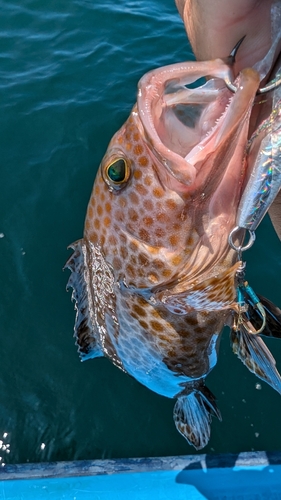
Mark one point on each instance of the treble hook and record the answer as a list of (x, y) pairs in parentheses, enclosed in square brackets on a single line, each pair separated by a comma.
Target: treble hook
[(244, 291), (276, 82)]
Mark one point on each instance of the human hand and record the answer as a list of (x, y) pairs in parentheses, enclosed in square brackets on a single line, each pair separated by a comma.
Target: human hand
[(214, 27)]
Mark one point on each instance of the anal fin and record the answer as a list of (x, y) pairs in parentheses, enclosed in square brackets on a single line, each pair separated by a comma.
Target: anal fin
[(85, 331), (193, 414)]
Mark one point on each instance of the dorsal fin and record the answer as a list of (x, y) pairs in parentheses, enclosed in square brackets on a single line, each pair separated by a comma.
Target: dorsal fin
[(85, 331)]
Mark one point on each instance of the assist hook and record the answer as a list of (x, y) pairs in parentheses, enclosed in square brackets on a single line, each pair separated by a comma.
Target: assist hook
[(231, 60)]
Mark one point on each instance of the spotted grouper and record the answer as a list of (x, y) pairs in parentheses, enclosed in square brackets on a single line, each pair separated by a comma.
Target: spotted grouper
[(154, 277)]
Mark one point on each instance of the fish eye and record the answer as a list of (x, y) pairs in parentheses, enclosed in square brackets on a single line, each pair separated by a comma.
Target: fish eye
[(117, 172)]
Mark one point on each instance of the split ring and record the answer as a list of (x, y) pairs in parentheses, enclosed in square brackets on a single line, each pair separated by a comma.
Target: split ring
[(241, 248)]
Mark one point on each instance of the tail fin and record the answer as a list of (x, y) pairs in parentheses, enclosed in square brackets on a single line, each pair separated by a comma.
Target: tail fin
[(253, 352), (193, 414)]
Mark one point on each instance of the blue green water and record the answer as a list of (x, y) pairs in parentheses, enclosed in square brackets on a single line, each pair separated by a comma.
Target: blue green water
[(68, 76)]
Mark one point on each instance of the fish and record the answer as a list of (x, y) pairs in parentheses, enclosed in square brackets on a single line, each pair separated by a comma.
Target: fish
[(154, 277)]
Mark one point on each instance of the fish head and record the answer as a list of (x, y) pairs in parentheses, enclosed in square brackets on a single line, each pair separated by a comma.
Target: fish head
[(166, 192)]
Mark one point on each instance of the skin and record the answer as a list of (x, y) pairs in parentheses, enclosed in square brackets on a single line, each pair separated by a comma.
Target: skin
[(214, 27)]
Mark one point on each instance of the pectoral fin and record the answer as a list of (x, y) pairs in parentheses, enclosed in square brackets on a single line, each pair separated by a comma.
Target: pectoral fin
[(252, 351), (213, 294)]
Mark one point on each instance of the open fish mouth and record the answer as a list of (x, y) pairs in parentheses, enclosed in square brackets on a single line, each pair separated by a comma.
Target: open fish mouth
[(187, 129)]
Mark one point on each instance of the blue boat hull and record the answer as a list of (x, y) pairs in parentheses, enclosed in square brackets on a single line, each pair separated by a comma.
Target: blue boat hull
[(247, 476)]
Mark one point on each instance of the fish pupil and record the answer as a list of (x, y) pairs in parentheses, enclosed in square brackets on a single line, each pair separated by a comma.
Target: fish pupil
[(117, 171)]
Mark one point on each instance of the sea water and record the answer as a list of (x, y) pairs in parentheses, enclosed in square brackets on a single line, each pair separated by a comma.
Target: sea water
[(68, 79)]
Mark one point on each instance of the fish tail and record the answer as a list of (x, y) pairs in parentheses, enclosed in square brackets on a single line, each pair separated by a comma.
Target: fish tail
[(193, 414), (252, 351), (84, 331)]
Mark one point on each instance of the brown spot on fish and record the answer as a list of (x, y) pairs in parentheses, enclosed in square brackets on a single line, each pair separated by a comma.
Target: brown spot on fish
[(143, 324), (108, 207), (191, 320), (119, 215), (159, 264), (106, 221), (158, 192), (99, 210), (124, 252), (148, 205), (134, 198), (173, 240), (143, 259), (143, 161), (93, 235), (176, 260), (143, 234), (133, 247), (171, 204), (159, 232), (162, 217), (133, 215), (139, 310), (198, 329), (153, 278), (166, 273), (112, 240), (189, 241), (147, 180), (122, 201), (137, 174), (138, 150), (141, 189), (155, 325), (148, 221), (130, 271), (117, 263), (176, 226), (97, 223)]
